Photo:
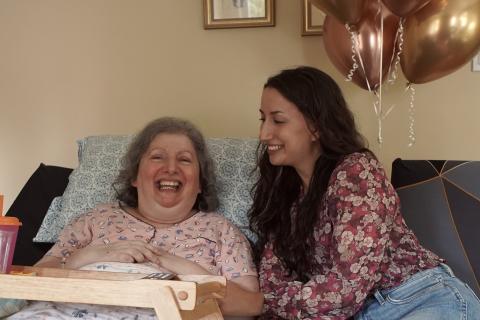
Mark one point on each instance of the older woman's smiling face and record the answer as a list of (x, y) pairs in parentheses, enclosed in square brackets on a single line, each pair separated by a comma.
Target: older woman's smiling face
[(168, 179)]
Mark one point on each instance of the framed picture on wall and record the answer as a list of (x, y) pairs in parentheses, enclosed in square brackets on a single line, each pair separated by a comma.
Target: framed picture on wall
[(238, 13), (312, 19)]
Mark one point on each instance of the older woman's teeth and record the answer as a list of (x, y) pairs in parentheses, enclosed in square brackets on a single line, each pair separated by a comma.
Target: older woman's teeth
[(274, 148), (169, 185)]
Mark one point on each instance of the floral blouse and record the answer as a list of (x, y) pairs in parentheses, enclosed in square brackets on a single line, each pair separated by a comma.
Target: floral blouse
[(362, 244), (206, 238)]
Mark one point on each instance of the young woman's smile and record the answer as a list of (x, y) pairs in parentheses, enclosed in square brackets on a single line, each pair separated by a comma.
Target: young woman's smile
[(286, 134)]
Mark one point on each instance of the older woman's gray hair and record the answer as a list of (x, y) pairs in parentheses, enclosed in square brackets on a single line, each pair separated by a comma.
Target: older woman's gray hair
[(126, 193)]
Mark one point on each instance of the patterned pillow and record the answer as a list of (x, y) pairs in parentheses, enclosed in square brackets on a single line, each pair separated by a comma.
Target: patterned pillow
[(52, 223), (90, 184), (234, 161), (99, 163)]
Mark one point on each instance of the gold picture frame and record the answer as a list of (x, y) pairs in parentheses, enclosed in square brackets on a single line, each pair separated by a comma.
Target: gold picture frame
[(220, 14), (312, 19)]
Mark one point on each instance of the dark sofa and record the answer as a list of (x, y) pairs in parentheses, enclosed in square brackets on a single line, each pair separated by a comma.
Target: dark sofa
[(31, 205), (440, 202)]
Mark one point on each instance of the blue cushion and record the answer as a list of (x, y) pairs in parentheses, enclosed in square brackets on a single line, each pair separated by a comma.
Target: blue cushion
[(99, 163)]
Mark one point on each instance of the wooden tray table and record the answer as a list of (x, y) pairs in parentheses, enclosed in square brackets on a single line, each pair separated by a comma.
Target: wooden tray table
[(190, 297)]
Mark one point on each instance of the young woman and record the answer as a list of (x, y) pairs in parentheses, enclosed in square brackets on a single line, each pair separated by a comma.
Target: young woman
[(332, 242)]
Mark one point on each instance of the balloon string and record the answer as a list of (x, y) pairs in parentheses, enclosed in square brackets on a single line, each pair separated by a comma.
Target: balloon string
[(354, 59), (397, 52), (411, 115), (356, 51), (361, 63), (379, 13), (394, 50), (378, 114), (385, 114), (377, 105)]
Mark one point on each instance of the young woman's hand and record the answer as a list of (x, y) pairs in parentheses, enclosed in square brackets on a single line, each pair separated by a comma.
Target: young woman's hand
[(243, 297)]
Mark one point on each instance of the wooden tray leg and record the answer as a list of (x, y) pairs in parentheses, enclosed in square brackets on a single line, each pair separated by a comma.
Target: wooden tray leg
[(165, 305), (206, 310)]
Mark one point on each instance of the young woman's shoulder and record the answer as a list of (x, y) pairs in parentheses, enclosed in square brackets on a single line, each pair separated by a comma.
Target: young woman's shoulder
[(359, 164), (365, 159), (359, 157)]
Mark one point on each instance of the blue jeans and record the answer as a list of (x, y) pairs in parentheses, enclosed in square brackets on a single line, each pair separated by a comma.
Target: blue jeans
[(434, 294)]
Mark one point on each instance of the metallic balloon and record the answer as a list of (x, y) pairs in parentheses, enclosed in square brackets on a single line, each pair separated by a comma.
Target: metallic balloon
[(338, 44), (403, 8), (440, 38), (346, 11)]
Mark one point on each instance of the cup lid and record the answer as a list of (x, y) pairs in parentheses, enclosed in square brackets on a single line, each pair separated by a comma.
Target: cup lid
[(11, 221)]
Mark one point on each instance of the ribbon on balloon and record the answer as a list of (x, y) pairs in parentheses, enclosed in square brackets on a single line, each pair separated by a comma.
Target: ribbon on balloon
[(367, 41), (370, 42), (411, 114), (395, 62)]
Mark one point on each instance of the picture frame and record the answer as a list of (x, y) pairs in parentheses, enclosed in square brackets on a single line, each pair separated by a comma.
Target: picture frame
[(219, 14), (312, 19), (476, 63)]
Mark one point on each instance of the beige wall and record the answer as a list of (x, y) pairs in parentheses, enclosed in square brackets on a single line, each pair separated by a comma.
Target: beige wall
[(71, 68)]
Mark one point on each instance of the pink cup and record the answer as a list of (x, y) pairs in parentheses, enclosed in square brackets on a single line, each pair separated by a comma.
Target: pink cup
[(8, 237)]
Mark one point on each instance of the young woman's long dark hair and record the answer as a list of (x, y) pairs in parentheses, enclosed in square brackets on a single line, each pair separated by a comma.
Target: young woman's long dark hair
[(278, 188)]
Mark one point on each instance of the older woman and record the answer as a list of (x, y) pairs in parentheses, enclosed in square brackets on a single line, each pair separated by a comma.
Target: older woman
[(164, 218)]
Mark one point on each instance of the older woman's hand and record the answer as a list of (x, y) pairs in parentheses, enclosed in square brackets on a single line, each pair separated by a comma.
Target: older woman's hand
[(120, 251), (176, 264)]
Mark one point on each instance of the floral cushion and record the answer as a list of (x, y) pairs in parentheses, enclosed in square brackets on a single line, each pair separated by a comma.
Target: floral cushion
[(99, 163)]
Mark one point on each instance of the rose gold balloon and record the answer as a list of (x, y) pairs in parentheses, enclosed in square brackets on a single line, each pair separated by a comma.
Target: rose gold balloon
[(440, 38), (403, 8), (346, 11), (339, 45)]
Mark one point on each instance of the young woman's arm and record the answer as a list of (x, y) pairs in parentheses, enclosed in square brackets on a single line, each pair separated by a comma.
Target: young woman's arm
[(243, 297)]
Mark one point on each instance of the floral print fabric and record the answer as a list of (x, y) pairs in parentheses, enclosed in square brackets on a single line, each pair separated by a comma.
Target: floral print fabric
[(362, 244), (205, 238)]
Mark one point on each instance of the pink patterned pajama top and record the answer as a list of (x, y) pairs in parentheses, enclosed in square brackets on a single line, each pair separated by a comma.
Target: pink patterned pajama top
[(208, 239)]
